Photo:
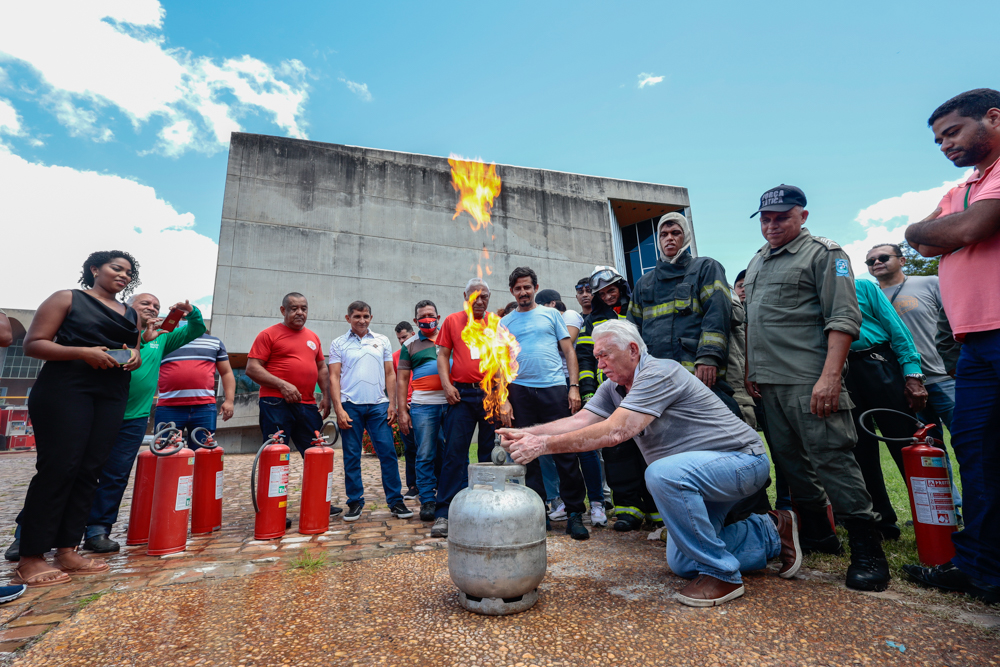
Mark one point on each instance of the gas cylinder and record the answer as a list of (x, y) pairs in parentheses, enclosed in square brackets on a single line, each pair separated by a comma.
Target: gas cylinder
[(206, 499), (142, 499), (317, 487), (496, 540), (270, 490), (168, 525), (931, 503)]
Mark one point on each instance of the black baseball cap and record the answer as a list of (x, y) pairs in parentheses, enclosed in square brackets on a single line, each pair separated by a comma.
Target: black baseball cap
[(782, 198)]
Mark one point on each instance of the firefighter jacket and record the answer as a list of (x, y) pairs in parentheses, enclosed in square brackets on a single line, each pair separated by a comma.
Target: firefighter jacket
[(590, 377), (683, 311)]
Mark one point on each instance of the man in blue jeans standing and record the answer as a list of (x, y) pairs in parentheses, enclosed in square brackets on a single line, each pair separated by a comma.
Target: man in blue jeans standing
[(287, 361), (702, 459), (364, 398)]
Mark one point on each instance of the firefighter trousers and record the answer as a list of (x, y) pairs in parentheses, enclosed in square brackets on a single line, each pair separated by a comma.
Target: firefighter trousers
[(625, 471)]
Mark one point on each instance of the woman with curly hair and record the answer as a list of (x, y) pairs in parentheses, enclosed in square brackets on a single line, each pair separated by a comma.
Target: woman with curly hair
[(77, 406)]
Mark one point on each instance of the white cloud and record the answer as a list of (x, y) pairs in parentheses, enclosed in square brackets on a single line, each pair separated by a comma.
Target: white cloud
[(885, 221), (55, 216), (9, 122), (647, 79), (112, 53), (359, 89)]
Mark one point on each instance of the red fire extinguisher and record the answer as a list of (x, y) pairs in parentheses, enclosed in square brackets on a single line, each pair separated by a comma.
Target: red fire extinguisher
[(142, 493), (171, 495), (317, 487), (269, 489), (931, 504), (206, 499)]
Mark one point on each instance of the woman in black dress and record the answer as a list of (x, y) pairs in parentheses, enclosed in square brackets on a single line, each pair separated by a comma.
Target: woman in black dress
[(76, 406)]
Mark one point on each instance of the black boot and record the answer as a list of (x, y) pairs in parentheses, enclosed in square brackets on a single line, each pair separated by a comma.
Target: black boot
[(869, 570), (626, 522), (575, 527), (816, 535)]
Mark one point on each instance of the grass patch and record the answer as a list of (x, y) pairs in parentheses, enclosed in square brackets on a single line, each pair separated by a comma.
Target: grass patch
[(83, 602), (308, 563)]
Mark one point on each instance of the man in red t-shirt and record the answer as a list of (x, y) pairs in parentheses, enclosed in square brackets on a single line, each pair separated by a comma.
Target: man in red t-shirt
[(287, 360), (965, 231), (458, 368)]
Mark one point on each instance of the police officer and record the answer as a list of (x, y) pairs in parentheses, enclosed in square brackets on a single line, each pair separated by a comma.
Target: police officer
[(802, 317)]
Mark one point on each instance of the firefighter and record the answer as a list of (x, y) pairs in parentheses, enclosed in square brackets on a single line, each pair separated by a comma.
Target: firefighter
[(624, 466)]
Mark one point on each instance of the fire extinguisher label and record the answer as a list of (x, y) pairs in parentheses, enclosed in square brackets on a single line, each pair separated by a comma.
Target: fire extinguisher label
[(278, 482), (184, 485), (932, 461), (329, 486), (218, 485), (932, 501)]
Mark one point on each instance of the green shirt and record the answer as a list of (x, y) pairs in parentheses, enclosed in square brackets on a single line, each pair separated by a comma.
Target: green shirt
[(796, 295), (880, 324), (142, 385)]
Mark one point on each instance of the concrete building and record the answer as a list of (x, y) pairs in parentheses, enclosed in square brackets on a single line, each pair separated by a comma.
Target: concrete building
[(340, 223)]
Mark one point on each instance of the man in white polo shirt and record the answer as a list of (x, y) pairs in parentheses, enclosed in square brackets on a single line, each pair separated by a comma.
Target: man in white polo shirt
[(364, 398)]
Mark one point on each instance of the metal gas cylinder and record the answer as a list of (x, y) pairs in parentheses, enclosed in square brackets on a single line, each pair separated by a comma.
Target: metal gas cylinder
[(496, 541)]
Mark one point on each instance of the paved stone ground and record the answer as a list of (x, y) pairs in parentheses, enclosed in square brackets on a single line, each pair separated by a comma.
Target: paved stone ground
[(232, 601)]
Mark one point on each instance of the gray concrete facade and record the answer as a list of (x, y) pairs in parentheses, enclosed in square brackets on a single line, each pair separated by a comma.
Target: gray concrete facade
[(340, 223)]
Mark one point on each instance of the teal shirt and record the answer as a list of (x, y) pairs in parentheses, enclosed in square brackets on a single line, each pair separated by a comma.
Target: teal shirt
[(142, 385), (881, 324)]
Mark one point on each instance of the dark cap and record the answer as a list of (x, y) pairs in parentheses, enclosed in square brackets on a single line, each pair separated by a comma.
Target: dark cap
[(782, 198), (740, 276), (547, 296)]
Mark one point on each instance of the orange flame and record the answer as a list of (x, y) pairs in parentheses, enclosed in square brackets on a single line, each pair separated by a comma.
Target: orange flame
[(478, 185), (497, 351)]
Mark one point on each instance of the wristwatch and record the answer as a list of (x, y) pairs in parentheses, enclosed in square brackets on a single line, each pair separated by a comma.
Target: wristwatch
[(917, 376)]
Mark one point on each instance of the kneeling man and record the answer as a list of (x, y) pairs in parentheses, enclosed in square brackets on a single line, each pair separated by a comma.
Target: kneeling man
[(702, 460)]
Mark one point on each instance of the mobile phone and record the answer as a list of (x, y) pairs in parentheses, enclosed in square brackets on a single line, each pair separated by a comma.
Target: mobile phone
[(174, 318), (121, 356)]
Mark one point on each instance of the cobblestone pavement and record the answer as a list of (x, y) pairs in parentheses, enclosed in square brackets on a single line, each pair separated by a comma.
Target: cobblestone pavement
[(230, 600)]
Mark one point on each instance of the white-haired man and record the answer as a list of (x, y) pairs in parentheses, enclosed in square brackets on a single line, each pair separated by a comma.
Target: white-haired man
[(702, 460), (458, 369)]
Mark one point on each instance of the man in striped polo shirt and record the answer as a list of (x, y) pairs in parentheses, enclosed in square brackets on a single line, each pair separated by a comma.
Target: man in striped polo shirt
[(429, 403), (187, 386)]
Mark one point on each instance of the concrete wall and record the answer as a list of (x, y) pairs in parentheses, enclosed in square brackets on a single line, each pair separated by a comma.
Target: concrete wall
[(340, 223)]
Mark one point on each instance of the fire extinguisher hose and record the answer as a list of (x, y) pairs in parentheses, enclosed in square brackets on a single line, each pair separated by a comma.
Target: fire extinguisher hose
[(167, 441), (253, 470), (864, 415), (209, 442)]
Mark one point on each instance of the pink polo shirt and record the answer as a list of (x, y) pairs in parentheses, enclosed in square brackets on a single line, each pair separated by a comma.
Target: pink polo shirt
[(970, 276)]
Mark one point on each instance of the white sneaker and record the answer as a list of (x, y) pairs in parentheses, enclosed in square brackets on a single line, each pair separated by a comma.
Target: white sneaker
[(597, 515), (559, 513)]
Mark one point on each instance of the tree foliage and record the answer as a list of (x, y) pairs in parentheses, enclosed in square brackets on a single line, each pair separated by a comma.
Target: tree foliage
[(916, 264)]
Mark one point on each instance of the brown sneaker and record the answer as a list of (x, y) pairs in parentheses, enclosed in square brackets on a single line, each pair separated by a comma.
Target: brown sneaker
[(788, 530), (707, 591)]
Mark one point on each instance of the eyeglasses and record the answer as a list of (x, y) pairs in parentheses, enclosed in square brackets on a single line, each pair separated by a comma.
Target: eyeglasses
[(881, 258)]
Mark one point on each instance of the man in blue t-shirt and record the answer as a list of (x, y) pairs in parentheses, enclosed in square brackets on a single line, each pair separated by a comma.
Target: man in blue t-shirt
[(539, 394)]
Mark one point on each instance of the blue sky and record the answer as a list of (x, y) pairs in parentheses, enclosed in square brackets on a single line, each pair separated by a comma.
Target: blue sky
[(740, 97)]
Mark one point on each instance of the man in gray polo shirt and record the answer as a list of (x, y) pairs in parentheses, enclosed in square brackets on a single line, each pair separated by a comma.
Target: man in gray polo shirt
[(702, 460)]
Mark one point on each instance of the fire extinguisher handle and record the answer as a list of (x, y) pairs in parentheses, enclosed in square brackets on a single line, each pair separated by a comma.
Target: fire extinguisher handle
[(168, 441), (209, 441)]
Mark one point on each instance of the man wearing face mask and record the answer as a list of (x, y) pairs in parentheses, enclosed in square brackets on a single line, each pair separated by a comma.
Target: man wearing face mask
[(683, 308), (418, 359)]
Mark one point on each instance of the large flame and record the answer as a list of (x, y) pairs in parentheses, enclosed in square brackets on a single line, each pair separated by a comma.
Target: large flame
[(497, 351), (478, 185)]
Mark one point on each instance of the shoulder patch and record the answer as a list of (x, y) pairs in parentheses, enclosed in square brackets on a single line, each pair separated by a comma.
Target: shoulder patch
[(830, 245), (843, 268)]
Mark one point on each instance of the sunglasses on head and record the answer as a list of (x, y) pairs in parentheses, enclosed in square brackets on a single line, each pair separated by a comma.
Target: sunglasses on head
[(582, 288), (881, 258)]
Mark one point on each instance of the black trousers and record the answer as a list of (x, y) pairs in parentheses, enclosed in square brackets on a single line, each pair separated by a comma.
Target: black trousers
[(76, 412), (875, 380), (541, 406), (625, 472)]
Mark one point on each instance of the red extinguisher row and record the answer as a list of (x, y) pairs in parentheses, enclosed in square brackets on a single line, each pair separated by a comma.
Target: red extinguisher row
[(269, 487), (934, 518)]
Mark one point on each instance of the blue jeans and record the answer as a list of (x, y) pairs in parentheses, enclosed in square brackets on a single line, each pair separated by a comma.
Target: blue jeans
[(694, 491), (428, 425), (371, 417), (189, 417), (460, 422), (298, 421), (939, 410), (975, 435), (550, 477), (114, 477), (590, 465)]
